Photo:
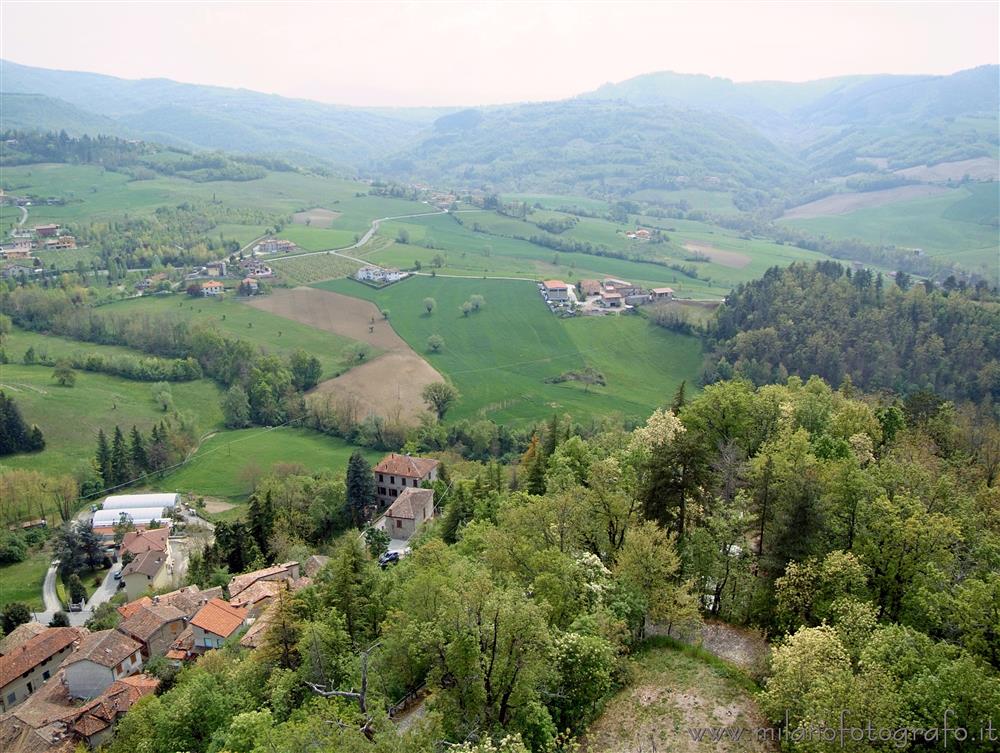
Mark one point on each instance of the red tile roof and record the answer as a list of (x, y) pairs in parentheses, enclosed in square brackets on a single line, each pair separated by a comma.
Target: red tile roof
[(34, 651), (139, 542), (555, 285), (409, 502), (20, 635), (219, 618), (406, 465), (105, 647), (148, 619), (240, 583), (257, 591), (148, 563), (127, 610)]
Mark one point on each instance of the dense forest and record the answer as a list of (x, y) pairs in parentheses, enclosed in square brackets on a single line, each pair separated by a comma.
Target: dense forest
[(862, 529), (884, 335)]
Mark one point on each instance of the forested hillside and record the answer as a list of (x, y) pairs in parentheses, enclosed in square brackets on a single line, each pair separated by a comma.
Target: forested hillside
[(883, 334)]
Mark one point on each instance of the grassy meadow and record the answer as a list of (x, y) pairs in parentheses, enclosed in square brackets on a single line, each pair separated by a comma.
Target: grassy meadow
[(500, 357), (959, 226), (22, 581), (275, 334), (225, 464), (70, 417)]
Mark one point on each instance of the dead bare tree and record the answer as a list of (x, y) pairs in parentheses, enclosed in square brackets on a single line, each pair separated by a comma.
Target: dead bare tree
[(361, 696)]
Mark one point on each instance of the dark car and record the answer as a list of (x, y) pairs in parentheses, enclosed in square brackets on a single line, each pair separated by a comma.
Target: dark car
[(389, 558), (118, 575)]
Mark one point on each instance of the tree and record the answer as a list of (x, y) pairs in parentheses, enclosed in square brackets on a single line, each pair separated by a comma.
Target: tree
[(477, 301), (15, 436), (137, 451), (64, 374), (679, 398), (260, 517), (121, 467), (306, 370), (439, 397), (360, 487), (59, 619), (163, 396), (29, 356), (14, 613), (77, 592), (435, 343), (466, 308), (403, 236), (429, 304), (377, 541), (236, 408)]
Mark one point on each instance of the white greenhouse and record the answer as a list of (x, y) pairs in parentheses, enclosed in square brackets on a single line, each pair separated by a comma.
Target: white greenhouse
[(126, 501), (139, 516)]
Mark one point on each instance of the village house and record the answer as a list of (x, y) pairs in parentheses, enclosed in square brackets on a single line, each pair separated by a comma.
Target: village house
[(636, 299), (214, 623), (610, 300), (661, 294), (256, 597), (556, 290), (21, 635), (60, 242), (50, 722), (397, 472), (215, 269), (99, 660), (188, 600), (16, 244), (151, 282), (150, 571), (249, 286), (287, 572), (16, 269), (29, 666), (622, 287), (140, 542), (274, 246), (46, 231), (255, 268), (314, 564), (155, 627), (408, 512), (15, 253), (589, 288), (212, 288)]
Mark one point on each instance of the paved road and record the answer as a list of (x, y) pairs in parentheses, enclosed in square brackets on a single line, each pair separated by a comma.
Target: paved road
[(51, 600)]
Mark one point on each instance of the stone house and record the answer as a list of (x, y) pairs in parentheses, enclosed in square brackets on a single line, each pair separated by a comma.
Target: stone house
[(100, 659), (397, 472)]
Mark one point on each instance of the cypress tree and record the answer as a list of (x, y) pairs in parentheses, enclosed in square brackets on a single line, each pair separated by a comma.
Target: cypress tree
[(103, 457), (679, 398), (260, 517), (137, 451), (120, 465), (360, 485)]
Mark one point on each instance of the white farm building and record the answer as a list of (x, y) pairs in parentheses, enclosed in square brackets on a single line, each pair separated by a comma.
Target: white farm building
[(126, 501), (140, 516)]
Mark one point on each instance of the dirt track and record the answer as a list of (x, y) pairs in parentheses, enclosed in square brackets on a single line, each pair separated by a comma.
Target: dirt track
[(389, 385), (980, 168)]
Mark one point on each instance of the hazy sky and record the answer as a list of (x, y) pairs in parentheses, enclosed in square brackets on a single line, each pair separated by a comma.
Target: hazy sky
[(387, 53)]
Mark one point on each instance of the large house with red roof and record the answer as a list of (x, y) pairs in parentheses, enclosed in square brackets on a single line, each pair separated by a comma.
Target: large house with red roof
[(215, 623), (398, 472), (31, 664)]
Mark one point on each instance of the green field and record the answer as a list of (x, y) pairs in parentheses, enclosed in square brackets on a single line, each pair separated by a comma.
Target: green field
[(70, 416), (960, 227), (499, 357), (274, 334), (224, 463), (23, 581)]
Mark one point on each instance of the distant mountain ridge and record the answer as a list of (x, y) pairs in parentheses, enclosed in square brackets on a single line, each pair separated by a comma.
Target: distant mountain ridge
[(650, 131)]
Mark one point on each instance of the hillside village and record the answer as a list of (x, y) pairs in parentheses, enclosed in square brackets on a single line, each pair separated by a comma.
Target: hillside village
[(62, 686)]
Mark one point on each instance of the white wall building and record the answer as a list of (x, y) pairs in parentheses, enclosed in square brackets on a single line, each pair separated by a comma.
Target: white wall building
[(125, 501)]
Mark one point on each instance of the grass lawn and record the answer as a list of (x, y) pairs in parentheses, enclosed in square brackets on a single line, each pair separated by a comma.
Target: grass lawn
[(22, 581), (226, 463), (275, 334), (672, 694), (70, 416), (500, 357)]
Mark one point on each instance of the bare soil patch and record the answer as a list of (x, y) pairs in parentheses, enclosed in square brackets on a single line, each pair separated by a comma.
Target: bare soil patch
[(315, 217), (333, 312), (980, 168), (744, 647), (389, 385), (845, 203), (732, 259), (215, 505)]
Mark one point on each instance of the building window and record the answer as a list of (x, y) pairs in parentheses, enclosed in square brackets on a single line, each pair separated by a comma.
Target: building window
[(393, 492), (392, 479), (399, 524), (45, 675), (11, 698), (381, 477), (31, 688), (381, 490)]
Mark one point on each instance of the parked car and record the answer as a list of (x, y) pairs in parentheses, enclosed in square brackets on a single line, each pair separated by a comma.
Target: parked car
[(77, 607), (118, 575), (389, 558)]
